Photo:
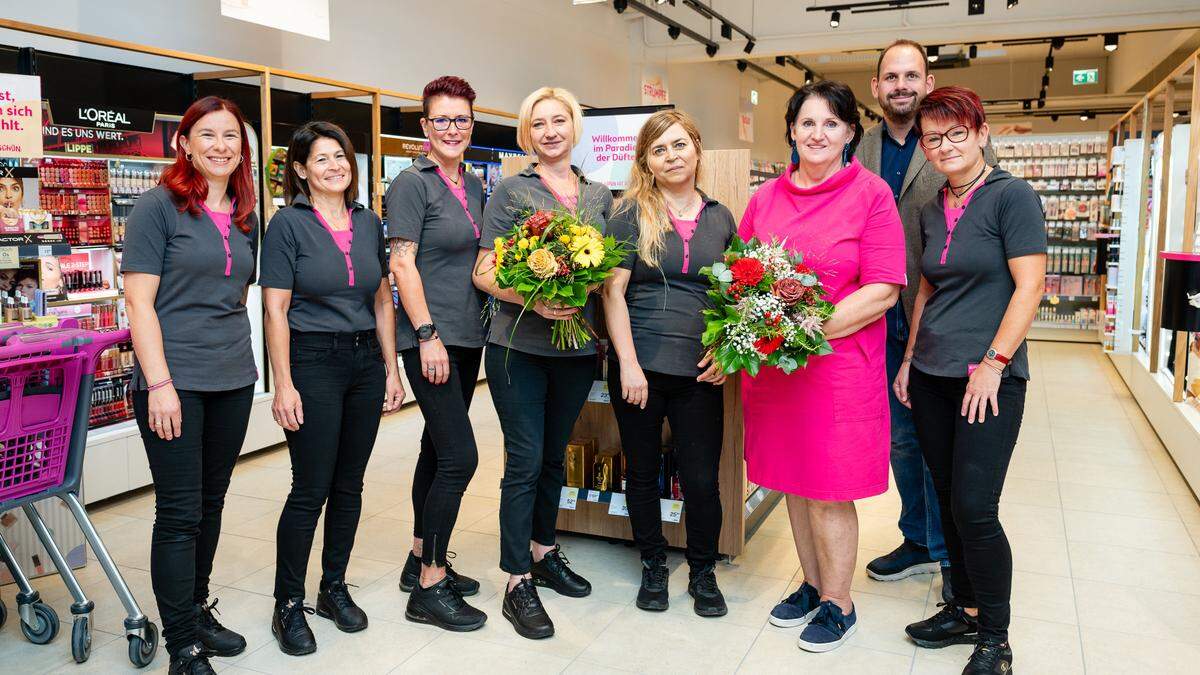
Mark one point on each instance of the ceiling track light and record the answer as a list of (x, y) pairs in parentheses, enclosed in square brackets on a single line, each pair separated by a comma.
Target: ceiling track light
[(1110, 42), (1049, 64), (726, 31), (1057, 43), (973, 51), (749, 47), (1010, 4), (1085, 116), (727, 27), (620, 6), (1041, 103), (741, 65), (711, 50), (931, 53), (1045, 81), (781, 60), (835, 19), (673, 32), (1054, 118), (1026, 104)]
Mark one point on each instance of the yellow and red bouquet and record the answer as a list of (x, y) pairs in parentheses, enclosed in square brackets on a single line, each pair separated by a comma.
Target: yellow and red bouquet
[(558, 258)]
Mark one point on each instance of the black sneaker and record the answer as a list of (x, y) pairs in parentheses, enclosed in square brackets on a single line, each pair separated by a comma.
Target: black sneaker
[(702, 586), (653, 596), (442, 605), (950, 626), (552, 572), (290, 628), (334, 603), (907, 560), (191, 660), (217, 639), (990, 658), (411, 576), (523, 609)]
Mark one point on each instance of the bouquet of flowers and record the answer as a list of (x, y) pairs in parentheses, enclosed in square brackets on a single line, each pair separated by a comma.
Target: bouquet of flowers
[(768, 309), (558, 258)]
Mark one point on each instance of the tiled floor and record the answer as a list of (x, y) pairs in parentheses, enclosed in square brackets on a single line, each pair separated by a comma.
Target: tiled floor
[(1104, 534)]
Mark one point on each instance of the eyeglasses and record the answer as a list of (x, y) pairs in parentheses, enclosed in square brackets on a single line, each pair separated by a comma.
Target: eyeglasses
[(955, 134), (443, 123)]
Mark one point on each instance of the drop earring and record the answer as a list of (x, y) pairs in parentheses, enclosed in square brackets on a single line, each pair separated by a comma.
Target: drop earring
[(845, 154)]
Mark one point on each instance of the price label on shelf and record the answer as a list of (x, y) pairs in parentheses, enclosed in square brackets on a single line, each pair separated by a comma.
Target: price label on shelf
[(569, 498), (599, 392), (618, 507), (672, 510), (593, 496), (45, 251)]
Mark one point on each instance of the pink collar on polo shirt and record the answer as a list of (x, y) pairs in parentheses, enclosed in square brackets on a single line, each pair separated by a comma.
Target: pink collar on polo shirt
[(954, 214), (224, 223), (460, 193), (344, 239), (686, 229)]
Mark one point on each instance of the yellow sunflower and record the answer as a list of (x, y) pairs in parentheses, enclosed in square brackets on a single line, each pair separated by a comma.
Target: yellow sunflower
[(590, 254)]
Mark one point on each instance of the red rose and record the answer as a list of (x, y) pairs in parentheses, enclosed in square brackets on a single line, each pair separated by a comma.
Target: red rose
[(748, 271), (790, 291), (537, 222), (767, 345)]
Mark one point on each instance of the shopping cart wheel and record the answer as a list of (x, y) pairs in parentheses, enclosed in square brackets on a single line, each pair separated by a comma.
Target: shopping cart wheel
[(46, 626), (141, 651), (81, 638)]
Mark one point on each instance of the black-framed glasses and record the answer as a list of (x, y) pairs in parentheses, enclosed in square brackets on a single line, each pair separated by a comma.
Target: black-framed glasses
[(443, 123), (955, 134)]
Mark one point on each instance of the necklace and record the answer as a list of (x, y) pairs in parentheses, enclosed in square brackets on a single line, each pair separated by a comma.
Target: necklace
[(959, 190), (679, 213)]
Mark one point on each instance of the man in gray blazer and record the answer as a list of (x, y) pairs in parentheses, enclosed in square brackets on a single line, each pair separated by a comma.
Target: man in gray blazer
[(892, 151)]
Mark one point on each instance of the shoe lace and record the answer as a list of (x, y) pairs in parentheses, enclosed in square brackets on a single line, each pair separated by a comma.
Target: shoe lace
[(194, 660), (705, 579), (450, 555), (339, 594), (948, 612), (655, 572), (556, 556), (525, 596), (826, 619), (986, 654), (293, 614), (207, 620)]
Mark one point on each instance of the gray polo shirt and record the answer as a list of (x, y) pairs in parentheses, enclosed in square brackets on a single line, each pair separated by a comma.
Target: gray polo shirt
[(300, 255), (205, 328), (665, 301), (420, 208), (513, 196), (971, 291)]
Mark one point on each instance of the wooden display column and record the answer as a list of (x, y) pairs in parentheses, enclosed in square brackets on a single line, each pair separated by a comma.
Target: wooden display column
[(725, 176)]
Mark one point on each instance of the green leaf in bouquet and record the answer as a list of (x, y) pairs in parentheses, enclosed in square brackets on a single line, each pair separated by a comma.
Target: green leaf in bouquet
[(824, 348), (712, 332), (808, 280), (787, 364), (752, 365)]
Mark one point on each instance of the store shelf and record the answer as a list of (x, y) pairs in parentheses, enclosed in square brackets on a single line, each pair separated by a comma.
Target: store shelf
[(1055, 333)]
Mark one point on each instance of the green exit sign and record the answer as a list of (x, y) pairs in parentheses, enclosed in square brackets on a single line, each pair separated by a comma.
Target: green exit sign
[(1089, 76)]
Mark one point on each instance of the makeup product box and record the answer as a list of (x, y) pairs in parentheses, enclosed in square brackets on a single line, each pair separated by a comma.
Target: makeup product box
[(580, 457), (607, 470)]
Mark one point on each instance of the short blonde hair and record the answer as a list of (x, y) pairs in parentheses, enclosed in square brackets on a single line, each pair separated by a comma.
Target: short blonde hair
[(525, 121)]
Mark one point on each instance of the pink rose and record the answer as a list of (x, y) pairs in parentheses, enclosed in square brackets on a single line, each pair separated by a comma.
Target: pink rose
[(790, 291)]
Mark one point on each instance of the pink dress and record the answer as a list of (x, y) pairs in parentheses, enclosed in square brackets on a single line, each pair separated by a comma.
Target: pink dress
[(823, 431)]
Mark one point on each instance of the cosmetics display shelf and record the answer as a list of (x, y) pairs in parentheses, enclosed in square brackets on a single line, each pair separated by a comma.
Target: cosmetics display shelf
[(1069, 173)]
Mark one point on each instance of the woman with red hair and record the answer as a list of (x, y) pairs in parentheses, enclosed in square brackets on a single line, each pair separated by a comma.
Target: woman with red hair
[(191, 247), (966, 368)]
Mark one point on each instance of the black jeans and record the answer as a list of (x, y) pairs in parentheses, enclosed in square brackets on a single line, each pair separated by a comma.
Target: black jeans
[(448, 453), (696, 412), (341, 379), (538, 399), (191, 474), (968, 463)]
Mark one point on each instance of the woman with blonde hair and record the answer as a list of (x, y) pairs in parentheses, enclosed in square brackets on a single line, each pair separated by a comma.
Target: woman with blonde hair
[(652, 306), (538, 390)]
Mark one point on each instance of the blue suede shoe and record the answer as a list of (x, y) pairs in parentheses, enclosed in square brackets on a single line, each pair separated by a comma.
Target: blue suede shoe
[(828, 629), (796, 609)]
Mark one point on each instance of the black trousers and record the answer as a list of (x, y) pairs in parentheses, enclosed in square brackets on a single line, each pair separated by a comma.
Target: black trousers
[(191, 474), (538, 399), (341, 379), (968, 463), (696, 412), (448, 453)]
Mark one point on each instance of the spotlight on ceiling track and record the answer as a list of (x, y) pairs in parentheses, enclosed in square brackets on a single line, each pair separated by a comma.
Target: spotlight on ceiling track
[(931, 53), (973, 51), (742, 65), (808, 76), (620, 6), (1045, 81), (974, 7), (1026, 104), (711, 50), (673, 31), (781, 60), (1049, 64), (1057, 43), (835, 19), (1054, 118), (1085, 116), (1010, 4), (1175, 114), (1110, 42), (1041, 103), (749, 47), (726, 31)]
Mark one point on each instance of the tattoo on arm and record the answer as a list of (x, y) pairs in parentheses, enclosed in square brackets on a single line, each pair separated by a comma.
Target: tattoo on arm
[(404, 247)]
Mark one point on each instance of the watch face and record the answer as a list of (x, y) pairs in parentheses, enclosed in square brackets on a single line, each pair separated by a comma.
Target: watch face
[(991, 353)]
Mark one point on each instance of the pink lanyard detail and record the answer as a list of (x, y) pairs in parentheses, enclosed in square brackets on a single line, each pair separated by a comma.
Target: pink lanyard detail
[(686, 229), (571, 203), (223, 223), (344, 239), (460, 193), (953, 215)]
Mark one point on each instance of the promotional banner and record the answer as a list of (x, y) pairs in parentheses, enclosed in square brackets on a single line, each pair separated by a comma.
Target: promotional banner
[(90, 130), (606, 148), (20, 117)]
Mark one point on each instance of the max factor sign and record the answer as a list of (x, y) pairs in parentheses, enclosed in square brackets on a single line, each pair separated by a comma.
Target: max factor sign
[(100, 117)]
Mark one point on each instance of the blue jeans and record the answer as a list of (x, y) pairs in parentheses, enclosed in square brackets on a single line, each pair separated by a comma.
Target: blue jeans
[(920, 519)]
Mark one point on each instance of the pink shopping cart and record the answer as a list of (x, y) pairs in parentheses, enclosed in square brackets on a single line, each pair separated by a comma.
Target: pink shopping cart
[(46, 378)]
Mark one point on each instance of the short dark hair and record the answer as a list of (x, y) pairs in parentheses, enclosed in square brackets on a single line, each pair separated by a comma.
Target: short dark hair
[(447, 85), (954, 104), (299, 149), (903, 42), (841, 101)]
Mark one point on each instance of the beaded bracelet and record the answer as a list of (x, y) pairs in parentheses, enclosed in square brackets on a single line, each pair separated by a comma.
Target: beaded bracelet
[(160, 385)]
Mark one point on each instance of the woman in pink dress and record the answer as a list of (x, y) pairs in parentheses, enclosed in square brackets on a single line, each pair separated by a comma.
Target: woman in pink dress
[(821, 434)]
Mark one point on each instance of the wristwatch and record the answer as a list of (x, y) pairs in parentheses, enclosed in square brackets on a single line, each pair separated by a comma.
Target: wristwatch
[(426, 332), (997, 356)]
